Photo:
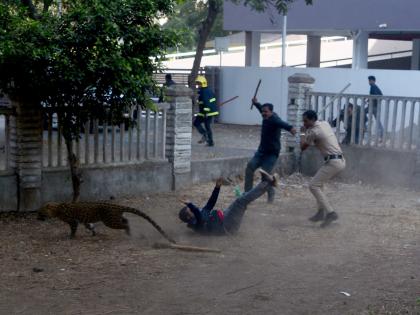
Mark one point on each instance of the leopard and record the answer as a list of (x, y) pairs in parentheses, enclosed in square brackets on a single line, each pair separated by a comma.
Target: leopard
[(89, 213)]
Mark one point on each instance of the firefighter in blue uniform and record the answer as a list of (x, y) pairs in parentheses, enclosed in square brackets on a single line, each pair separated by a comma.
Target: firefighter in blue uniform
[(207, 111)]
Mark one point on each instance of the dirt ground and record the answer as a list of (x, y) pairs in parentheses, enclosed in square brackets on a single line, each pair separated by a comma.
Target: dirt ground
[(278, 263)]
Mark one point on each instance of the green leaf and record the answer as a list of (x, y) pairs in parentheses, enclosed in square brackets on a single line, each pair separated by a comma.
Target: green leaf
[(97, 59)]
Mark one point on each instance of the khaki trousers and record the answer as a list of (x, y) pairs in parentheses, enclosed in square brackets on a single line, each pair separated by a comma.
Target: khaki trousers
[(327, 171)]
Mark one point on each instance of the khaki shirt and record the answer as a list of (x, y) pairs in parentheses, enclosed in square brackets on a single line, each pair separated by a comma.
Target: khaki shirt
[(322, 136)]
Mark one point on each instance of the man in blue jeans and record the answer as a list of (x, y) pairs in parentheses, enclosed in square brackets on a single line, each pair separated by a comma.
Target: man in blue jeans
[(269, 148), (219, 222)]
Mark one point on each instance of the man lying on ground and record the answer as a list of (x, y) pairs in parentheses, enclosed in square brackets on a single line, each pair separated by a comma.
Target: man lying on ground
[(214, 221)]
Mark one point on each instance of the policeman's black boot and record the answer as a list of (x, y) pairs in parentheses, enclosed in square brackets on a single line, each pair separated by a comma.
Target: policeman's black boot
[(319, 216), (330, 217)]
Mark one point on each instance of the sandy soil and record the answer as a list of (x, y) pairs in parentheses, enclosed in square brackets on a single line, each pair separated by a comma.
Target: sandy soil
[(279, 262)]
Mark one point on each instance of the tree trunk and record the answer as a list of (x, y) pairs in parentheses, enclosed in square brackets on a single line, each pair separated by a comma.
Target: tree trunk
[(215, 7), (31, 8), (76, 174)]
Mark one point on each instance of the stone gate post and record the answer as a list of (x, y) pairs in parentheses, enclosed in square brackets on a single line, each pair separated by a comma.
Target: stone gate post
[(300, 85), (179, 134), (26, 154)]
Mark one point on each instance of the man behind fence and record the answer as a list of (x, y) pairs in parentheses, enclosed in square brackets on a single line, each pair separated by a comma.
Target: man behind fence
[(320, 134), (352, 111)]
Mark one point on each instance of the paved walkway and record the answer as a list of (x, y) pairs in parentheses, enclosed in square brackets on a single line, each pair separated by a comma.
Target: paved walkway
[(230, 141)]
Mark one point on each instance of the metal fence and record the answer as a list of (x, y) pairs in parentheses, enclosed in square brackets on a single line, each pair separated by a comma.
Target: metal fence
[(386, 121), (180, 76), (105, 143)]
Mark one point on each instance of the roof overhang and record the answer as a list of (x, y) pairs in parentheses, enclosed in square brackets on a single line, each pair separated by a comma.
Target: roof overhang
[(387, 19)]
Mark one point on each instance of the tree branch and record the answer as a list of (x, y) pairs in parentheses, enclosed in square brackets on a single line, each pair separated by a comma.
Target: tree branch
[(214, 8)]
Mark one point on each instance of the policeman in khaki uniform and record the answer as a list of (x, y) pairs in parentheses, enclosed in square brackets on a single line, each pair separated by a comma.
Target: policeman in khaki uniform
[(208, 109), (320, 134)]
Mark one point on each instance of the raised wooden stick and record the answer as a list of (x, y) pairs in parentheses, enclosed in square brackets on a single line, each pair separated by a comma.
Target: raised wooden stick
[(256, 92), (227, 101), (186, 248), (334, 98)]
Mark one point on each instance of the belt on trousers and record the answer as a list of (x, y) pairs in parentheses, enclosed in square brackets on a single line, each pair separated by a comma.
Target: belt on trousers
[(333, 157)]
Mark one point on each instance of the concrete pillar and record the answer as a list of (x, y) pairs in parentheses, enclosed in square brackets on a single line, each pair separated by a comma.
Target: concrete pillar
[(415, 57), (300, 84), (360, 50), (26, 154), (179, 134), (252, 49), (313, 51)]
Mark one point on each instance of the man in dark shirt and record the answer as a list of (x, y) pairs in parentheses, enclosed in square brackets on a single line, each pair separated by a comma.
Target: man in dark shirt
[(352, 111), (269, 148), (375, 90), (168, 82), (219, 222)]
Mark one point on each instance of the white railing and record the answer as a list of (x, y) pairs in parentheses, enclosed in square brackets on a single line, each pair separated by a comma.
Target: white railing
[(270, 45), (386, 122), (180, 76), (105, 143)]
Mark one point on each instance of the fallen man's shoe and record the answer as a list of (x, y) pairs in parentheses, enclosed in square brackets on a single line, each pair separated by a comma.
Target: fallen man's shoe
[(273, 179)]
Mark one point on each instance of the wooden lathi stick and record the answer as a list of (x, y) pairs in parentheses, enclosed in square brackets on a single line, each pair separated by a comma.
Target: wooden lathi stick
[(256, 92), (187, 248), (227, 101)]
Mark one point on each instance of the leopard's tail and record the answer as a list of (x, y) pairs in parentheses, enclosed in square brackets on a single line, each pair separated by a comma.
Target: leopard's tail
[(152, 222)]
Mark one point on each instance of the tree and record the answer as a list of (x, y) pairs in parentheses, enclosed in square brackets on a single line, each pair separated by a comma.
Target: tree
[(214, 8), (100, 54), (187, 19)]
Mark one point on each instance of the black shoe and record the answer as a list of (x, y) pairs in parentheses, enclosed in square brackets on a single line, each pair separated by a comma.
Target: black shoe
[(210, 144), (330, 217), (319, 216), (203, 139)]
